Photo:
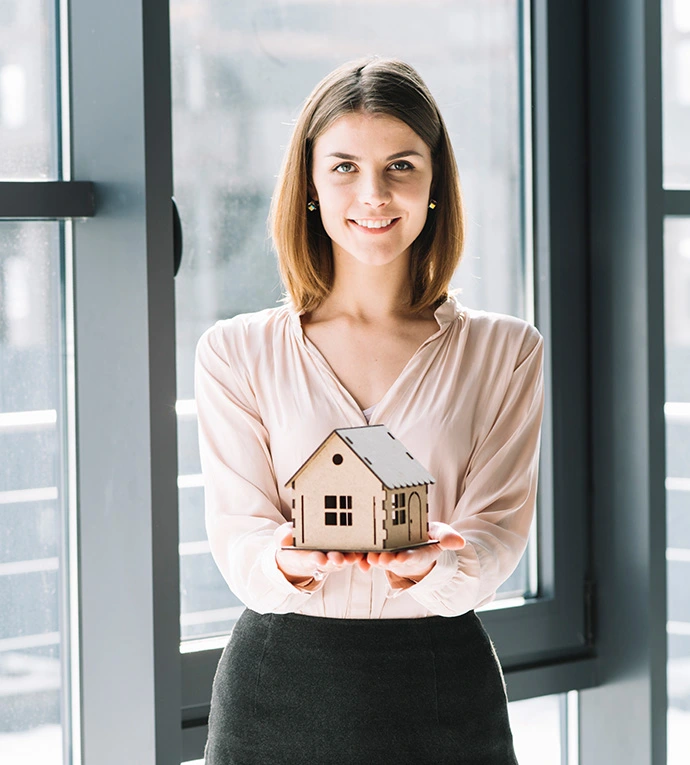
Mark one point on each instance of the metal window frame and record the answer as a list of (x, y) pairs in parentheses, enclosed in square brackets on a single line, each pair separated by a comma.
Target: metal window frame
[(46, 200), (546, 645), (677, 202), (126, 434), (121, 596), (624, 718)]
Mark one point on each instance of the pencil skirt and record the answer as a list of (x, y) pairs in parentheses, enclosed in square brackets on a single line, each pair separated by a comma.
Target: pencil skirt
[(292, 689)]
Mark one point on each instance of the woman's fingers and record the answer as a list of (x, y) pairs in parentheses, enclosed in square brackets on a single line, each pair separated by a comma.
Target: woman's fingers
[(318, 559), (372, 558), (305, 562), (385, 558), (411, 561), (283, 534), (451, 542), (448, 537)]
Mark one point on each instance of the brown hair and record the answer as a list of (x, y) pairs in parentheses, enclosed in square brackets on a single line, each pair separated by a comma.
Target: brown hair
[(377, 86)]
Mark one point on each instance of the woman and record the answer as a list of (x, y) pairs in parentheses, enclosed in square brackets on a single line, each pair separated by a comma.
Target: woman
[(378, 657)]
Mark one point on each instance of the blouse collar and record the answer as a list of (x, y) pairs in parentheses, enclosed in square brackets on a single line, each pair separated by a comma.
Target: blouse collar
[(445, 314)]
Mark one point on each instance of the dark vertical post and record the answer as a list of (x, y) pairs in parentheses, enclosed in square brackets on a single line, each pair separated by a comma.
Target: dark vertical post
[(624, 719)]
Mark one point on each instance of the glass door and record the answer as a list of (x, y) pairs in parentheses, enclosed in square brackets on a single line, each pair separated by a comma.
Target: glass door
[(37, 497)]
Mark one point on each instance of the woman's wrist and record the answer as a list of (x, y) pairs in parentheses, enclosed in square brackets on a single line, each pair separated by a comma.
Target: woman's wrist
[(405, 582), (304, 582)]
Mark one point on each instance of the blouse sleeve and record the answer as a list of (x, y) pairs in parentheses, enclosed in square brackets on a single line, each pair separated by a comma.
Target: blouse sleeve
[(240, 488), (495, 510)]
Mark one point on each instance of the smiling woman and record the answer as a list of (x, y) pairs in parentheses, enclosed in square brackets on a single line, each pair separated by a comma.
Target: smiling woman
[(368, 224), (380, 118), (372, 194)]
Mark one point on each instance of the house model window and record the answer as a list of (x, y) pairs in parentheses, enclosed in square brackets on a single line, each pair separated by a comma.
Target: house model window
[(335, 519), (360, 490), (398, 514)]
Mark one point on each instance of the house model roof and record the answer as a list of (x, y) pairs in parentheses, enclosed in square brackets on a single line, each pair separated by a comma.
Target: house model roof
[(382, 453)]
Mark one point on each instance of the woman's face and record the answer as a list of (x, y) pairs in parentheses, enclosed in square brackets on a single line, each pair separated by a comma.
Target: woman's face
[(371, 174)]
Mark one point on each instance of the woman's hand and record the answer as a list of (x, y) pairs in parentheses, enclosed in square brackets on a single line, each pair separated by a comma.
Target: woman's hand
[(407, 567), (301, 566)]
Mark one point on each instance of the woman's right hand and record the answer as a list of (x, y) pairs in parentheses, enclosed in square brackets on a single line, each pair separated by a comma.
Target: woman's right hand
[(300, 566)]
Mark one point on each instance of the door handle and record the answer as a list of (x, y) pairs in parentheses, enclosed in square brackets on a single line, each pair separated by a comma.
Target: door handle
[(177, 238)]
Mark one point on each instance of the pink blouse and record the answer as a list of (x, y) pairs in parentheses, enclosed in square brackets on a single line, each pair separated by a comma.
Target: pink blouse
[(468, 406)]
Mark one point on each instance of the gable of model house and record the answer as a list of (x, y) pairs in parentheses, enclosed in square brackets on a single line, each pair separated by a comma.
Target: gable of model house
[(378, 450)]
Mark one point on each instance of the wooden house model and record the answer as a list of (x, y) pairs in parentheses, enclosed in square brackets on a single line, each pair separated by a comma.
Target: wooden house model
[(360, 490)]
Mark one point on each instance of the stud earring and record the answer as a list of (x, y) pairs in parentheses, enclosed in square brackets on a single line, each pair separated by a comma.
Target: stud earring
[(432, 204), (312, 205)]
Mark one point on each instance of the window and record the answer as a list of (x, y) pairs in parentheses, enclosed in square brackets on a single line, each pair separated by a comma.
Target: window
[(254, 92), (344, 502), (28, 88), (545, 729), (676, 124), (677, 410), (34, 507), (676, 92), (38, 650), (398, 515), (238, 78)]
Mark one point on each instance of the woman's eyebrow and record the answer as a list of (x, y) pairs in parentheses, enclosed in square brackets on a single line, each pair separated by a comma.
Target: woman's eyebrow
[(399, 154)]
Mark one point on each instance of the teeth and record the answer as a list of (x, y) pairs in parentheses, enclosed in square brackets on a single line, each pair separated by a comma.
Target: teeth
[(374, 223)]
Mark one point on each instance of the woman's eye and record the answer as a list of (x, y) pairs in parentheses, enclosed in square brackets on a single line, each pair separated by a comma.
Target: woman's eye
[(401, 165), (347, 165)]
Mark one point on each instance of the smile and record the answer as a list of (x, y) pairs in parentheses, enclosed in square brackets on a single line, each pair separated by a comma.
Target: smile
[(379, 226)]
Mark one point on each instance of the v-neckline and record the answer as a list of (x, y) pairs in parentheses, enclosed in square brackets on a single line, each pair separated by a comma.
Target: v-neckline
[(445, 315)]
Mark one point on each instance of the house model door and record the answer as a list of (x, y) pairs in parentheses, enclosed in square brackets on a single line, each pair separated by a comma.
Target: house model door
[(414, 510)]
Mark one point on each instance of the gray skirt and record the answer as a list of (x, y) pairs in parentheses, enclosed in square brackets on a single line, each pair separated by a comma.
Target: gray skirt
[(291, 689)]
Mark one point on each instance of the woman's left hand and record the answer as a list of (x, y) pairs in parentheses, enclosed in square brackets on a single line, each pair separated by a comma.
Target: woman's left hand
[(407, 567)]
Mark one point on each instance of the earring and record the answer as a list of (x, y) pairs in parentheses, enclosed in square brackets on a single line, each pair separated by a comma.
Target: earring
[(432, 204), (312, 205)]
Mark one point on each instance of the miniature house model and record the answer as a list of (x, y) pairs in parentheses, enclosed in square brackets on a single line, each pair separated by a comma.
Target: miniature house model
[(360, 490)]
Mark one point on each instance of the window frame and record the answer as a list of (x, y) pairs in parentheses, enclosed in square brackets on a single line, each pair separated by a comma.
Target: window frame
[(129, 662), (545, 645)]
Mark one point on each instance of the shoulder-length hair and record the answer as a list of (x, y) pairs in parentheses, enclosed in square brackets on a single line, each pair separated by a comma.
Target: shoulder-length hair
[(372, 85)]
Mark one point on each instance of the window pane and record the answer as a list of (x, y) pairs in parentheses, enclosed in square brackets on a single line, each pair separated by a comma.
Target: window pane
[(677, 328), (27, 90), (32, 538), (676, 92), (240, 72), (538, 729)]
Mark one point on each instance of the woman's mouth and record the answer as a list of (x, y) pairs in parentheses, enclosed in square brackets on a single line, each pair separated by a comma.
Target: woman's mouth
[(374, 225)]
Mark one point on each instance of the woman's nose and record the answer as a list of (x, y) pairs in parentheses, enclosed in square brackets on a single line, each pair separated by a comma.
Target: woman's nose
[(374, 191)]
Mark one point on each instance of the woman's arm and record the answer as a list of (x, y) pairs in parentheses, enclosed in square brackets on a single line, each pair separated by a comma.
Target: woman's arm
[(241, 493), (495, 511)]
